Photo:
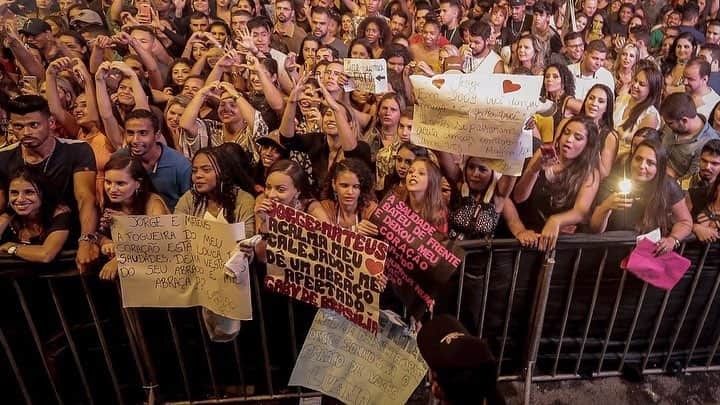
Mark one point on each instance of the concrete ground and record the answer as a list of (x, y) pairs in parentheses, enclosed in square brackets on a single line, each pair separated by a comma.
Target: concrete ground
[(687, 389), (691, 389)]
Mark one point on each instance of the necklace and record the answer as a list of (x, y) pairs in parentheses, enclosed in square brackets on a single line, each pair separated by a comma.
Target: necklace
[(512, 27), (47, 160), (337, 219)]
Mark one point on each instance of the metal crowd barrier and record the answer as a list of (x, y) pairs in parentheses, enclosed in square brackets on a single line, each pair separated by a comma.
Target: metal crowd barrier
[(573, 314)]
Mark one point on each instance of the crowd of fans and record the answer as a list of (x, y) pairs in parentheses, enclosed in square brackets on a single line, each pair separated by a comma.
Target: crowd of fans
[(213, 107)]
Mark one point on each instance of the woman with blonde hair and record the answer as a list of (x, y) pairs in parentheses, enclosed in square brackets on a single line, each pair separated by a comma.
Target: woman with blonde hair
[(529, 54), (624, 67)]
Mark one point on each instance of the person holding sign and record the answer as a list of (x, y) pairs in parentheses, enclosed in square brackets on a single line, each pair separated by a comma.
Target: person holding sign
[(349, 196), (560, 183), (423, 193), (35, 226), (653, 201), (128, 191), (214, 196), (287, 184)]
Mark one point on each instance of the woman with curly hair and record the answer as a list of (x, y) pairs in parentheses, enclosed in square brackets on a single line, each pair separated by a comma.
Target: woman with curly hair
[(349, 198), (214, 195), (376, 32)]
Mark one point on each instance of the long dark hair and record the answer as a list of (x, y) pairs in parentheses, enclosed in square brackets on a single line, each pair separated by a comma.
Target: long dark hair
[(655, 83), (568, 81), (49, 199), (657, 192), (137, 171), (364, 175), (224, 192), (606, 121), (671, 60), (574, 175), (238, 166)]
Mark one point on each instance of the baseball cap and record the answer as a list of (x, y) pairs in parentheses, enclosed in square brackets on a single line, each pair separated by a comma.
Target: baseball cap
[(34, 26), (87, 16), (272, 139), (445, 344), (515, 3)]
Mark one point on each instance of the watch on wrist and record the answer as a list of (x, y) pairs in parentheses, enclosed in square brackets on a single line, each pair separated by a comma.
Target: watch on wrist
[(12, 250), (88, 237)]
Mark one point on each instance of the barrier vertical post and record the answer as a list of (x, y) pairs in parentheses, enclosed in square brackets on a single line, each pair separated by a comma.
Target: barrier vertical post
[(538, 318)]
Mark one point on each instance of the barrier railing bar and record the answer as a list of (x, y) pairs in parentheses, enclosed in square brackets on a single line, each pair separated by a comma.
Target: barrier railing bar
[(528, 383), (238, 363), (633, 325), (508, 311), (248, 399), (486, 291), (36, 338), (568, 302), (208, 357), (101, 339), (293, 335), (656, 327), (613, 317), (263, 333), (461, 283), (686, 307), (538, 317), (568, 376), (71, 341), (596, 290), (14, 366), (699, 369), (135, 333), (178, 351), (132, 338), (703, 318), (712, 353), (141, 355)]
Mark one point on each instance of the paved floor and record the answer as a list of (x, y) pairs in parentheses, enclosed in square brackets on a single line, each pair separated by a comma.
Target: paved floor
[(691, 389)]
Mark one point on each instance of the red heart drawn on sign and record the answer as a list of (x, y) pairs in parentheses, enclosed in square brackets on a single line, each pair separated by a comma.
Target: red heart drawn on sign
[(438, 82), (373, 267), (509, 86)]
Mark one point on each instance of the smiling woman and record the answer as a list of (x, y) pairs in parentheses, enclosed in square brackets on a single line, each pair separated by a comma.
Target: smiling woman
[(35, 226)]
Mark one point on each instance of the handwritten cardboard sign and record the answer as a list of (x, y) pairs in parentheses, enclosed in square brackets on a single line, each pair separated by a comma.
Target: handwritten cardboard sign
[(417, 263), (477, 115), (359, 368), (368, 75), (178, 261), (324, 265)]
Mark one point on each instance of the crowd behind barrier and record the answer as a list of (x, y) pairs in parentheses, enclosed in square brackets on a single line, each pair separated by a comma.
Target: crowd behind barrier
[(570, 314)]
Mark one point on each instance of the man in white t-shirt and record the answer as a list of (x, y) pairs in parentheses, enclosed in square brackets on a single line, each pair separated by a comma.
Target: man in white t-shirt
[(479, 57), (695, 79), (590, 70)]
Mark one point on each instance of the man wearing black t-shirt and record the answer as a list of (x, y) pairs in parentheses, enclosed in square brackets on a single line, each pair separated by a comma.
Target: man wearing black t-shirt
[(68, 165)]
